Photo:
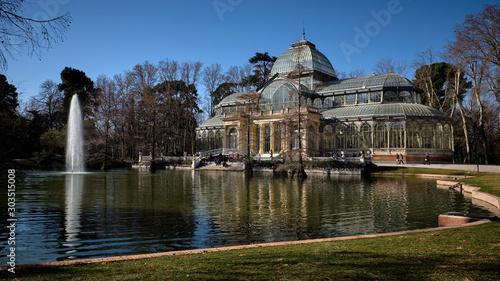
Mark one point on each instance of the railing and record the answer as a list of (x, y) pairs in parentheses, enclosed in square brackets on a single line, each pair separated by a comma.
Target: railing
[(148, 158), (213, 152)]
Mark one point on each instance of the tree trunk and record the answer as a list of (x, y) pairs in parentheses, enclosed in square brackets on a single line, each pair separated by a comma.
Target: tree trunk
[(464, 121), (482, 133)]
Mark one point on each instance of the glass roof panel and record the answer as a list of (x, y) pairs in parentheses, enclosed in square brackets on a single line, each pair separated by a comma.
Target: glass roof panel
[(306, 54), (391, 109), (367, 82), (212, 122)]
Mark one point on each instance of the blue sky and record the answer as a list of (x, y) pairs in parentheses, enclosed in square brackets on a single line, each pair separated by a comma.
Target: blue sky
[(109, 37)]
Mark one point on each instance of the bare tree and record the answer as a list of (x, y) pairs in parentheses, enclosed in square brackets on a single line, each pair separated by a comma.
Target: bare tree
[(190, 72), (425, 74), (20, 34), (387, 65), (143, 104), (352, 74), (426, 57), (482, 31), (104, 116), (48, 102), (213, 76), (238, 76), (121, 125), (168, 70), (476, 50)]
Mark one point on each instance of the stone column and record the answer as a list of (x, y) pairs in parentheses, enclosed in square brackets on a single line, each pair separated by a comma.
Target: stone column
[(283, 138), (305, 140), (224, 138), (405, 135), (271, 136), (262, 138)]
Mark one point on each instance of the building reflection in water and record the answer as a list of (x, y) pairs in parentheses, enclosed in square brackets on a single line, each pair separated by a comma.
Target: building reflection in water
[(232, 209), (263, 209)]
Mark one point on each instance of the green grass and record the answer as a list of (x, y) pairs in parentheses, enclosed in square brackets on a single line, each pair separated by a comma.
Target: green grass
[(417, 170), (471, 253), (488, 182)]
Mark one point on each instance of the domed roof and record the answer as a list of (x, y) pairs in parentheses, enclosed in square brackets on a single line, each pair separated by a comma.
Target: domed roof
[(306, 54)]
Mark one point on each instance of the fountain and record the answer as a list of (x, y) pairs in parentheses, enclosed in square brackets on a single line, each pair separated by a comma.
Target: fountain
[(74, 146)]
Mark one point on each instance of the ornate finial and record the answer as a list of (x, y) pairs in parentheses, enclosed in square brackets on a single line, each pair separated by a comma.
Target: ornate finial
[(303, 31)]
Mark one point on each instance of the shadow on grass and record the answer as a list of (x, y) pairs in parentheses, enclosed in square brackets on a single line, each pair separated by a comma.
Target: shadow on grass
[(284, 264)]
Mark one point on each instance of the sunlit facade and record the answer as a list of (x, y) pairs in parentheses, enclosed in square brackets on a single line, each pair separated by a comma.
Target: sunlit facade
[(377, 115)]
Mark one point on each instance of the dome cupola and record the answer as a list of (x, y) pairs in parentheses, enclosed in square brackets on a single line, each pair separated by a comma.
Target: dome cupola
[(304, 54)]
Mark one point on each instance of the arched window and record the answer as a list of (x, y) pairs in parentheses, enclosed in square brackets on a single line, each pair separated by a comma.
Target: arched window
[(311, 143), (338, 100), (211, 140), (199, 141), (280, 94), (363, 98), (350, 99), (380, 135), (339, 136), (375, 97), (439, 136), (366, 136), (218, 139), (397, 135), (417, 98), (277, 138), (327, 137), (427, 135), (295, 137), (267, 139), (256, 140), (205, 141), (328, 102), (447, 136), (390, 96), (405, 96), (413, 135), (278, 98), (351, 136), (233, 139), (317, 103)]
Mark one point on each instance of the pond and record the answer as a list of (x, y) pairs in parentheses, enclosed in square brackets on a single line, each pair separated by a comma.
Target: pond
[(124, 212)]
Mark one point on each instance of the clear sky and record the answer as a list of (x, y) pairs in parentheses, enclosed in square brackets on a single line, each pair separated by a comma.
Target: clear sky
[(109, 37)]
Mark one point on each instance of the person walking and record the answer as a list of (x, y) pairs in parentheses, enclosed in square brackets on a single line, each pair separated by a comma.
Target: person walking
[(427, 159), (397, 159)]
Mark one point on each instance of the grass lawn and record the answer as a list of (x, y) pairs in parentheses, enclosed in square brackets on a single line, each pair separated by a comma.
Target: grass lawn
[(470, 253)]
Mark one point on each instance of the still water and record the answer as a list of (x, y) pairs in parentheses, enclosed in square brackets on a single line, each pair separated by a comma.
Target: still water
[(63, 216)]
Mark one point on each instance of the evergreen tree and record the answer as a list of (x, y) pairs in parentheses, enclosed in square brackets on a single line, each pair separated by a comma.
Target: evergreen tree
[(262, 65), (75, 81), (8, 106)]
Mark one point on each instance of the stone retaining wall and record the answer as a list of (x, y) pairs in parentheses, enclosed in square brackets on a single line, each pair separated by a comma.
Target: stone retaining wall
[(456, 219), (475, 193)]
